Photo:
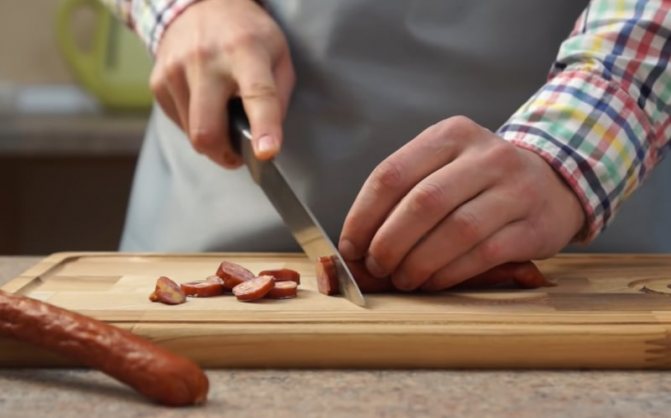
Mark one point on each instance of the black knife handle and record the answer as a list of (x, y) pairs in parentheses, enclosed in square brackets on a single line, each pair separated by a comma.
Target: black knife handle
[(239, 129)]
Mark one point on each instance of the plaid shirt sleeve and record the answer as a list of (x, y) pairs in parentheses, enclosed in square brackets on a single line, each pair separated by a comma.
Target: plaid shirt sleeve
[(603, 119), (148, 18)]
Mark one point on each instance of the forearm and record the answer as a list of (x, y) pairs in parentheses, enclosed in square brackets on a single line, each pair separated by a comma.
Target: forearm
[(603, 119)]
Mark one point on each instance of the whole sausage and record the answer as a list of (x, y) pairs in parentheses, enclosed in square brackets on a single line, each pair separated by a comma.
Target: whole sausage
[(366, 281), (160, 375), (524, 274)]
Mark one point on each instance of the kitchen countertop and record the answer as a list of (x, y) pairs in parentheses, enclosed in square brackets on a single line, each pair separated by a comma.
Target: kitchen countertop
[(346, 393), (64, 135)]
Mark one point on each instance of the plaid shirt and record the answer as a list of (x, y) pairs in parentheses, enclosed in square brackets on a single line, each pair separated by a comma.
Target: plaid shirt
[(602, 120)]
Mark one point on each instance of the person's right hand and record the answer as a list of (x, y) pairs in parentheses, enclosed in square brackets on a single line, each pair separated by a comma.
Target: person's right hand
[(216, 50)]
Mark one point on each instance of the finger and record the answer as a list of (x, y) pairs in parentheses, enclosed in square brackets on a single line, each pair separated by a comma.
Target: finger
[(257, 88), (179, 91), (424, 207), (514, 242), (457, 234), (285, 79), (164, 100), (396, 175), (208, 115)]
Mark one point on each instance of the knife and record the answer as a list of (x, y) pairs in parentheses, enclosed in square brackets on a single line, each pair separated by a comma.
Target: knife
[(296, 215)]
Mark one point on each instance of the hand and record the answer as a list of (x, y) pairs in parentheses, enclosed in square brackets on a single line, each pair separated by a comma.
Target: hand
[(215, 50), (454, 202)]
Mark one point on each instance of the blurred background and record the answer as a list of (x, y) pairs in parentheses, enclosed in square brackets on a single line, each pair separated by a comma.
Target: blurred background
[(73, 107)]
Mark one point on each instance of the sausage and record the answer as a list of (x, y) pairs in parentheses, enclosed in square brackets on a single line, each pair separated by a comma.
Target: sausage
[(281, 275), (327, 276), (523, 274), (233, 274), (168, 292), (283, 290), (158, 374), (254, 289), (212, 286), (366, 281)]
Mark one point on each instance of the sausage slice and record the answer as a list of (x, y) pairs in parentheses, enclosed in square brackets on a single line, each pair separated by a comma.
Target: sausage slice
[(283, 290), (327, 276), (254, 289), (168, 292), (281, 275), (212, 286), (233, 274)]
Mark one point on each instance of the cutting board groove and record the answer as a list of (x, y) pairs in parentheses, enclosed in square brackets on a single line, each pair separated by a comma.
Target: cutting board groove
[(608, 311)]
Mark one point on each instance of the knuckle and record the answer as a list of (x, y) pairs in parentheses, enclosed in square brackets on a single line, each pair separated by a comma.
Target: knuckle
[(242, 40), (384, 254), (156, 80), (502, 154), (201, 53), (203, 139), (387, 176), (490, 252), (426, 198), (467, 225), (258, 90), (457, 128), (416, 271)]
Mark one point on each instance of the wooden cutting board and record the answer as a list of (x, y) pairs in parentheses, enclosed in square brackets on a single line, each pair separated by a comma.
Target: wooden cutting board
[(608, 311)]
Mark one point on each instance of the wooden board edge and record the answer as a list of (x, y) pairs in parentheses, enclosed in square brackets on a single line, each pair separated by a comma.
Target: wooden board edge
[(615, 347)]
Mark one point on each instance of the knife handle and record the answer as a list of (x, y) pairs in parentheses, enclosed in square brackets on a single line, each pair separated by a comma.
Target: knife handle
[(238, 125)]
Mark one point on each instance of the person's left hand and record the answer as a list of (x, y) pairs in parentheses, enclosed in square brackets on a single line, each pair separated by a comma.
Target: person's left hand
[(454, 202)]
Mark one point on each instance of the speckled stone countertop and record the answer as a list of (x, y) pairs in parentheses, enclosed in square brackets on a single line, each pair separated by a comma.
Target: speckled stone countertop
[(344, 393)]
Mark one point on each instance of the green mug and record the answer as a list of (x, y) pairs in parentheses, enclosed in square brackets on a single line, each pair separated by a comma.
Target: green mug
[(117, 66)]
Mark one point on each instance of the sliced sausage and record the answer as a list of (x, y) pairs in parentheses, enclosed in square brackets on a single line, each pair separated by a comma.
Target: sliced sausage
[(168, 292), (158, 374), (212, 286), (283, 290), (327, 276), (254, 289), (281, 275), (233, 274)]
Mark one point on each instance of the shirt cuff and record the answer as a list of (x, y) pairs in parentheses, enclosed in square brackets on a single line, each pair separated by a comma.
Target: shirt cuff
[(150, 18), (593, 134)]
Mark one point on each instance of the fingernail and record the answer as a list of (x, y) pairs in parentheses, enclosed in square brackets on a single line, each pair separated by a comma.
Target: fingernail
[(374, 268), (347, 250), (266, 146)]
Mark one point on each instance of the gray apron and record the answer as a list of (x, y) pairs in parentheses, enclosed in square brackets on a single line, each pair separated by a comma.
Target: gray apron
[(371, 75)]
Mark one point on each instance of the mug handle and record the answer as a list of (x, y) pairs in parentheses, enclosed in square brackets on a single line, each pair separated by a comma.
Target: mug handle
[(83, 63)]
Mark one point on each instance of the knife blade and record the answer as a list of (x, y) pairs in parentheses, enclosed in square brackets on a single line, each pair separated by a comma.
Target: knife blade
[(296, 215)]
